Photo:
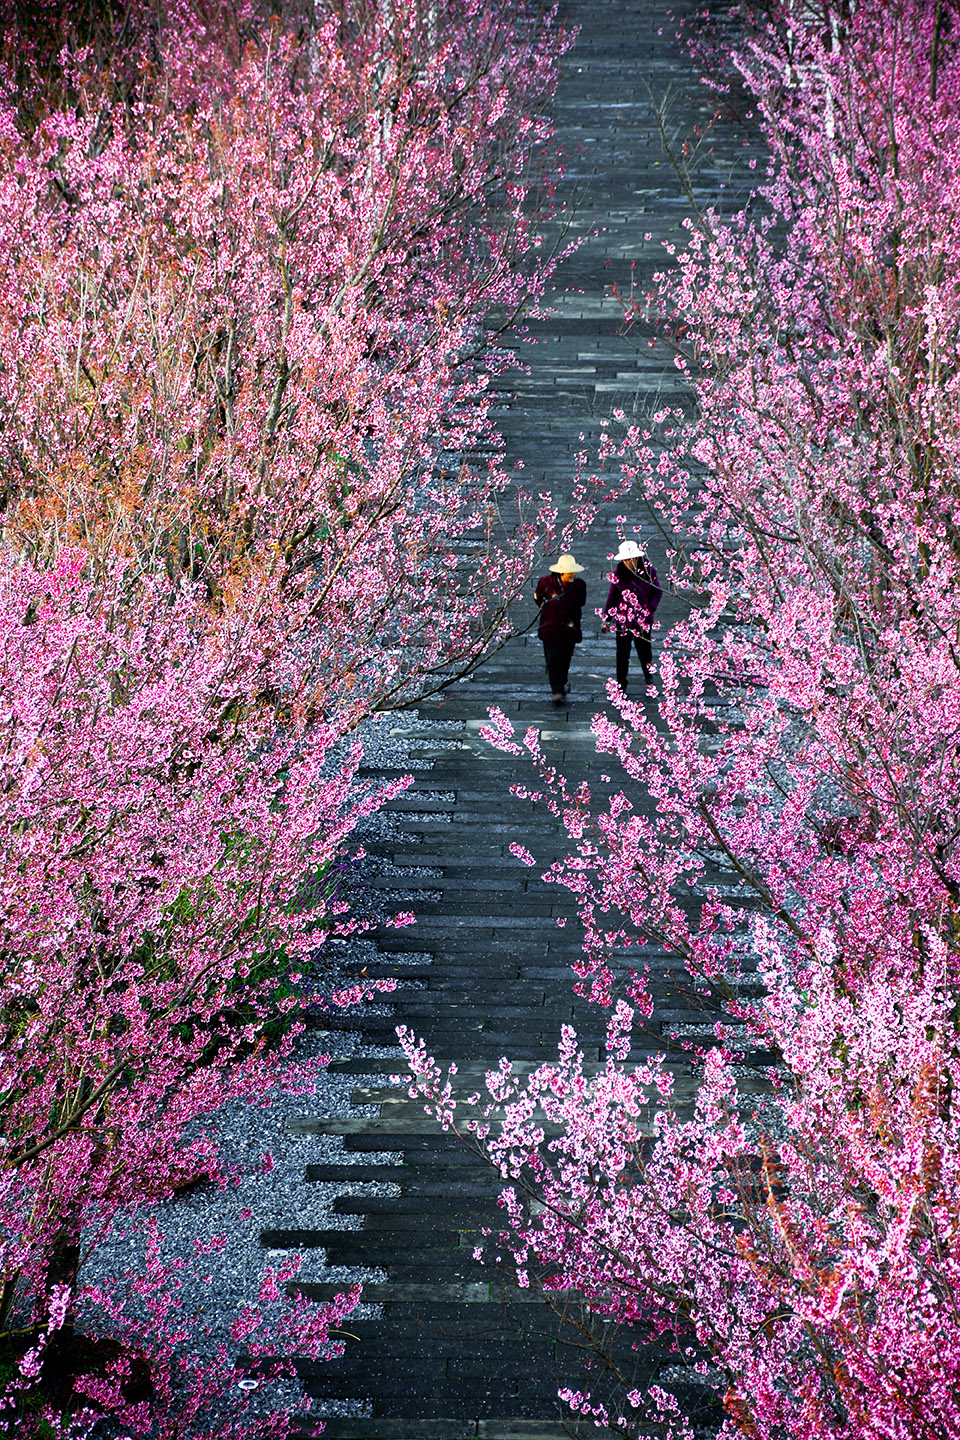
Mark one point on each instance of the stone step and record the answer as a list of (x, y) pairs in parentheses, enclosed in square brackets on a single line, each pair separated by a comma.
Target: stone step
[(449, 1207), (684, 1089), (412, 1232), (548, 939), (428, 1296), (401, 1120), (343, 1428), (469, 1071), (521, 909), (419, 1147), (447, 1187)]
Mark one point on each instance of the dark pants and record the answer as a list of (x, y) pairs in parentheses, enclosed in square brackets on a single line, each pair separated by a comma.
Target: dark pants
[(558, 654), (644, 651)]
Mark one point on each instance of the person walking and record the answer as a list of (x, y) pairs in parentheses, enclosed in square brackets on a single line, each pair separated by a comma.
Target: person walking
[(560, 598), (634, 596)]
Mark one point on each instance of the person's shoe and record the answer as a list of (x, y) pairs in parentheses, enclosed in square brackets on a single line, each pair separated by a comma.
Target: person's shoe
[(558, 698)]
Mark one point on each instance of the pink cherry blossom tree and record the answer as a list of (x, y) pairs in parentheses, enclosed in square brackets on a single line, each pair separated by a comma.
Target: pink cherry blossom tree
[(157, 1383), (246, 317), (167, 855), (252, 255), (789, 826)]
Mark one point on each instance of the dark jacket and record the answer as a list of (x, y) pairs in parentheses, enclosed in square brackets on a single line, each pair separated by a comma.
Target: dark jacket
[(633, 598), (560, 607)]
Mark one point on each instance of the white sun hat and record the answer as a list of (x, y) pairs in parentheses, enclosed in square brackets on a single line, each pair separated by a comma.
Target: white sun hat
[(566, 565), (629, 550)]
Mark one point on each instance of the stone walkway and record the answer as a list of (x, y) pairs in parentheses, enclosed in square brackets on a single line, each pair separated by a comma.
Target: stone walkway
[(457, 1352)]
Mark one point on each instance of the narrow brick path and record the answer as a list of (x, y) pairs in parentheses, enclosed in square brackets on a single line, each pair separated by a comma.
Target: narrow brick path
[(456, 1352)]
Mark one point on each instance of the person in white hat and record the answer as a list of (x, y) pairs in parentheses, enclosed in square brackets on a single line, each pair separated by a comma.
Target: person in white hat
[(634, 596), (560, 598)]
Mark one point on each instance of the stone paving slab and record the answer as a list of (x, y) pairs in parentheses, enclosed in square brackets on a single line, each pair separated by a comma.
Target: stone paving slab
[(449, 1429)]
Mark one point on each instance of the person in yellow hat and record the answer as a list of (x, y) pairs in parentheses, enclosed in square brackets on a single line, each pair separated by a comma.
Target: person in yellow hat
[(560, 598)]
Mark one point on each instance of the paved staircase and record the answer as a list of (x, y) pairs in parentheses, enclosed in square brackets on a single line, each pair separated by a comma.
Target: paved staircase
[(456, 1351)]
